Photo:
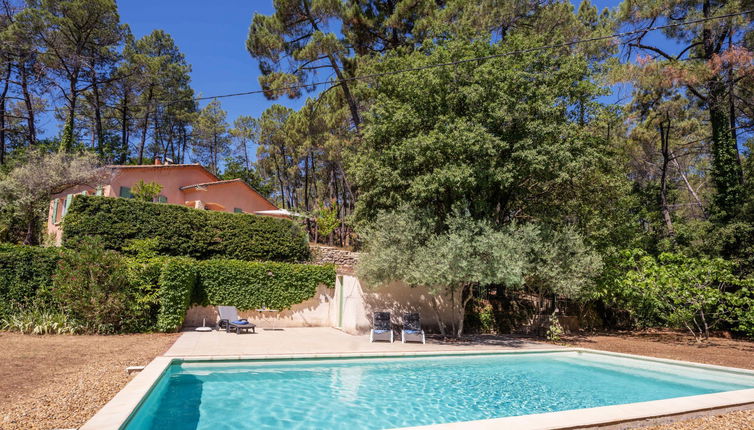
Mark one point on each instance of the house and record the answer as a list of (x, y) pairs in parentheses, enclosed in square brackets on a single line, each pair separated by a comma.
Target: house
[(182, 184)]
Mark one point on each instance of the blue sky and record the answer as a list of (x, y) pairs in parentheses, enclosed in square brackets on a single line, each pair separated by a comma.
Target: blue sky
[(212, 35), (213, 40)]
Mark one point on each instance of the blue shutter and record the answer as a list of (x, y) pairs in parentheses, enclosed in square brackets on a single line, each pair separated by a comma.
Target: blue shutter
[(85, 193), (238, 210), (162, 199), (125, 192)]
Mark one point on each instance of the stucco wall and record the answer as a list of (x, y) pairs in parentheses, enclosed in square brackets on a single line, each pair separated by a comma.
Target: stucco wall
[(230, 196), (355, 315)]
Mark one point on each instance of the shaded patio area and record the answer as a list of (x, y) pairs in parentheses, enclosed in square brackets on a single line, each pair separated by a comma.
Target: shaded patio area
[(326, 340)]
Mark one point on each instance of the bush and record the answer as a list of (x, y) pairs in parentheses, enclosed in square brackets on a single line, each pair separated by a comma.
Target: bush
[(25, 273), (93, 286), (251, 285), (177, 283), (182, 231), (39, 321)]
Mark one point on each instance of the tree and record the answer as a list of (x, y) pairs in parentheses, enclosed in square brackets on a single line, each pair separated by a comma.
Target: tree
[(294, 43), (471, 254), (245, 131), (146, 191), (211, 135), (26, 190), (707, 61), (74, 36), (697, 294)]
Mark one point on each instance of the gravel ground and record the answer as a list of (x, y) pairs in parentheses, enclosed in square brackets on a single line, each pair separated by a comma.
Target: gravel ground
[(679, 346), (59, 382)]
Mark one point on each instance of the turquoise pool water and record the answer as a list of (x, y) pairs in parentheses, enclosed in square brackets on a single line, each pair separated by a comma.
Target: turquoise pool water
[(390, 393)]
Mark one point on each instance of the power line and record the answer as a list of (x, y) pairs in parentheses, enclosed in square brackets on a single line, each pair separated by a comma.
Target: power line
[(444, 64), (475, 59)]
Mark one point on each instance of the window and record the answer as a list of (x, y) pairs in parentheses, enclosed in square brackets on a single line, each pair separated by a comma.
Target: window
[(162, 199), (125, 192), (99, 190), (238, 210)]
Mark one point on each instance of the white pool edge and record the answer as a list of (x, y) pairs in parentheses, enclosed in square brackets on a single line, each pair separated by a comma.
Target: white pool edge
[(115, 414)]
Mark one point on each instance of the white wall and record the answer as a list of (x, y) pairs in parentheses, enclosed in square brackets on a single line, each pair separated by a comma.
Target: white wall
[(355, 314)]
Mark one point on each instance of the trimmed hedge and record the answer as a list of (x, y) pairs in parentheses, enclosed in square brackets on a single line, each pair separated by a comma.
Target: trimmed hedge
[(183, 231), (252, 285), (177, 283), (25, 271)]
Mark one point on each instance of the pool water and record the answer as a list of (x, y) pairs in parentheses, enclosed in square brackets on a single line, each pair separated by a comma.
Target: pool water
[(391, 393)]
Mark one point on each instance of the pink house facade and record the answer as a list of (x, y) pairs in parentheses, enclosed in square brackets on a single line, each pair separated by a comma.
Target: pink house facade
[(188, 185)]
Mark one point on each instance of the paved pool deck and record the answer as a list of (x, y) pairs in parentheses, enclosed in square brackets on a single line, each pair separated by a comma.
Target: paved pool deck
[(306, 341)]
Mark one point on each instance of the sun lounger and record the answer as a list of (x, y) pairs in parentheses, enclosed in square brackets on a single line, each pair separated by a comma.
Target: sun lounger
[(412, 328), (229, 320), (381, 327)]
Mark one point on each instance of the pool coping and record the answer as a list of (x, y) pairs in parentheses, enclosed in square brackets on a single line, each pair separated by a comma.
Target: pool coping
[(116, 413)]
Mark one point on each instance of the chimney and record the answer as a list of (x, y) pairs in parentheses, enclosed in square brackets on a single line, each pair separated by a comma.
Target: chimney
[(157, 161)]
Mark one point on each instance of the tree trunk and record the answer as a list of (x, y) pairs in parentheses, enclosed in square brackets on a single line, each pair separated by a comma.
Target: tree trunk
[(2, 113), (726, 164), (145, 127), (30, 122), (66, 143), (98, 116), (124, 149), (665, 151)]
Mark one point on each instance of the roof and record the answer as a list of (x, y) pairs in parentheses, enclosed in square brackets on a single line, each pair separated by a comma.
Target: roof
[(226, 182), (164, 166)]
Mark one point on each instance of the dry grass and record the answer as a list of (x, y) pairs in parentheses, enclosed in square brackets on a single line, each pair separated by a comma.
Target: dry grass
[(50, 382), (679, 346)]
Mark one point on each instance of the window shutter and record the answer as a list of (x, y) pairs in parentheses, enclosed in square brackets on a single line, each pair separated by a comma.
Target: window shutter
[(99, 191), (125, 192), (237, 210), (68, 200), (55, 204), (85, 193), (162, 199)]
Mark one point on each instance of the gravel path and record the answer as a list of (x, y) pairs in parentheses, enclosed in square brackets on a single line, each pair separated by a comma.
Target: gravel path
[(719, 351), (52, 382)]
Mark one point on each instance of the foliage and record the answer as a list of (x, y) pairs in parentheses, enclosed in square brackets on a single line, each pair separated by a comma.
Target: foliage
[(182, 231), (253, 285), (212, 138), (39, 321), (26, 190), (25, 275), (555, 330), (93, 287), (146, 191), (177, 283), (327, 221), (698, 294), (468, 254)]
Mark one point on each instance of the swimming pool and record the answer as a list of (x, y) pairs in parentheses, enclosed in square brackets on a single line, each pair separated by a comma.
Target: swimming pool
[(381, 393)]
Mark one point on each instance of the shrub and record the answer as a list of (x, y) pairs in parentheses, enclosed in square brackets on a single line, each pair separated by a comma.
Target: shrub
[(94, 288), (251, 285), (183, 231), (25, 273), (39, 321), (177, 283)]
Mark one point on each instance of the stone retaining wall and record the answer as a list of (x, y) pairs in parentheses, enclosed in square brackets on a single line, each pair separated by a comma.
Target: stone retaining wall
[(330, 255)]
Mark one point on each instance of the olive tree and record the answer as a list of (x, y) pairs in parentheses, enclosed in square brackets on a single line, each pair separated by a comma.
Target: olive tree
[(404, 246), (25, 191)]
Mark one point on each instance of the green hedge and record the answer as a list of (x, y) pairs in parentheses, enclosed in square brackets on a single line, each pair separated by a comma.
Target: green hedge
[(177, 283), (25, 271), (183, 231), (251, 285)]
